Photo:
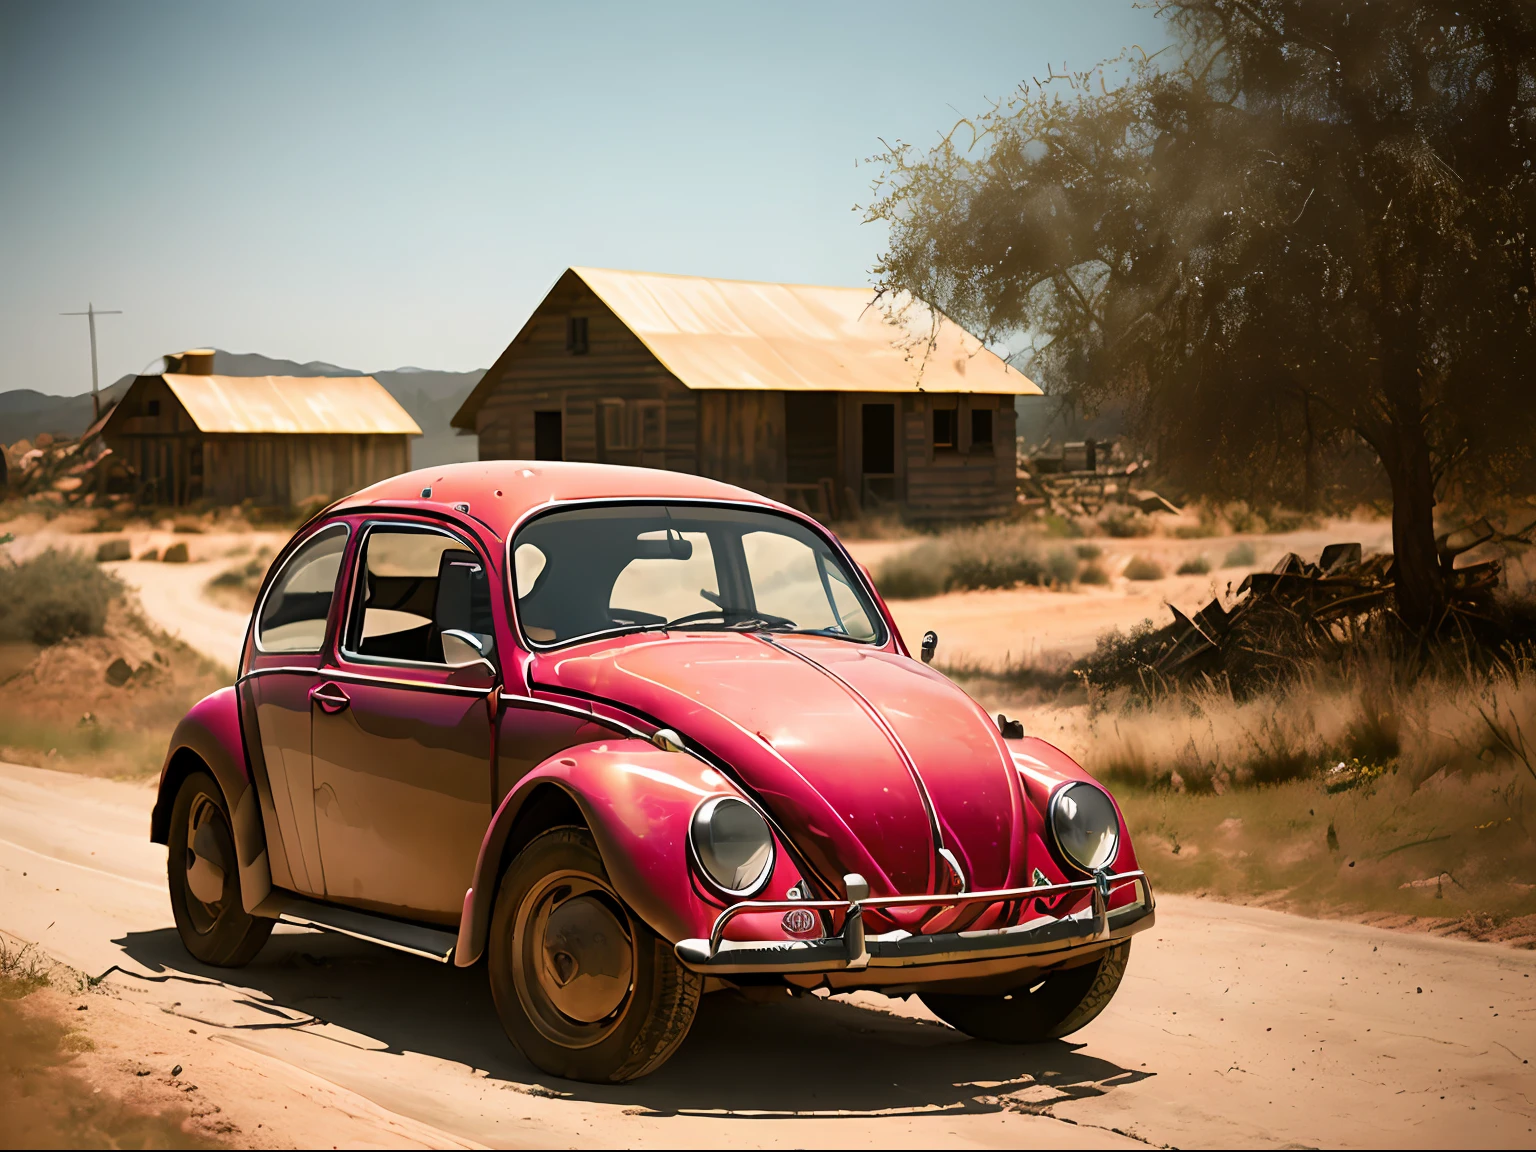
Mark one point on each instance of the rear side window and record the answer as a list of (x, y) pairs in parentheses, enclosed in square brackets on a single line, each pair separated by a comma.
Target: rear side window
[(294, 613), (414, 585)]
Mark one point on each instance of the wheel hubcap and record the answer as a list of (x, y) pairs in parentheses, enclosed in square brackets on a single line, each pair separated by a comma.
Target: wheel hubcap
[(575, 959), (207, 861)]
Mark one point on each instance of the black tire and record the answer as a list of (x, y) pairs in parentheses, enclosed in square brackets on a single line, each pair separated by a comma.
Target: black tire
[(582, 986), (1043, 1009), (217, 931)]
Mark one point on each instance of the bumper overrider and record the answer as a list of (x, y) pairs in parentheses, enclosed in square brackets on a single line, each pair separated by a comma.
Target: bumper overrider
[(903, 957)]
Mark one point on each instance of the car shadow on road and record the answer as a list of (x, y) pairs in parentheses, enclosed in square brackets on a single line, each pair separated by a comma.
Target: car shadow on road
[(802, 1056)]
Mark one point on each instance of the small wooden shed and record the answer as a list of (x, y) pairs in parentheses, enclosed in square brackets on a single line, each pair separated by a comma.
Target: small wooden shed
[(820, 397), (191, 436)]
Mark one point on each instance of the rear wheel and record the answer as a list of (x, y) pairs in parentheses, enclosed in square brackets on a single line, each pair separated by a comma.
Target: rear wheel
[(204, 879), (585, 989), (1047, 1008)]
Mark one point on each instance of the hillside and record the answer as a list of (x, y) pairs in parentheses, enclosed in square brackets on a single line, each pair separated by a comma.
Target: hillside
[(430, 396)]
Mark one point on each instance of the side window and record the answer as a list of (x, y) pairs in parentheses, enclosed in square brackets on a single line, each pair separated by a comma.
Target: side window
[(414, 585), (294, 613)]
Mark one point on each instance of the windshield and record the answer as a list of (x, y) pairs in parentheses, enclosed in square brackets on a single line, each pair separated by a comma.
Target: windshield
[(593, 571)]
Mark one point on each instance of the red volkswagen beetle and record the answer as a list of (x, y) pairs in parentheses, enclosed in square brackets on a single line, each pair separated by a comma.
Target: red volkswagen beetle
[(630, 736)]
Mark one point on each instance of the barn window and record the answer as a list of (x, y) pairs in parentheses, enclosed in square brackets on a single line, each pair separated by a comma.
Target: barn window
[(616, 426), (576, 334), (981, 428), (945, 424), (151, 407)]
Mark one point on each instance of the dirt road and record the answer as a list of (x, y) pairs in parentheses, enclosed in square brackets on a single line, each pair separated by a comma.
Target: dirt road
[(1234, 1026)]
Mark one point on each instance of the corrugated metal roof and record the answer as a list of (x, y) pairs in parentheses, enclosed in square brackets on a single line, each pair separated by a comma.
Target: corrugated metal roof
[(739, 334), (317, 404)]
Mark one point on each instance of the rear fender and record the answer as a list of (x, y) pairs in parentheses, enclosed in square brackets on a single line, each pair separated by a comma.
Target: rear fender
[(637, 800), (209, 738)]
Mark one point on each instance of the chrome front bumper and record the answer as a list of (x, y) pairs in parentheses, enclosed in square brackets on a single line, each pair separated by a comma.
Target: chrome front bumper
[(1041, 941)]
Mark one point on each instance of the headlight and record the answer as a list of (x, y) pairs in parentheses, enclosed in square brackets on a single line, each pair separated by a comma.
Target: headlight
[(1085, 826), (732, 844)]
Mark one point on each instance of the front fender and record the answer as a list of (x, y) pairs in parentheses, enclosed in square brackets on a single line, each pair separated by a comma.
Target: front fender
[(1043, 768), (209, 736), (637, 800)]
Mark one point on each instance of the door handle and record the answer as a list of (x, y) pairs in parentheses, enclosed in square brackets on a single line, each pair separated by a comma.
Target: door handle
[(330, 698)]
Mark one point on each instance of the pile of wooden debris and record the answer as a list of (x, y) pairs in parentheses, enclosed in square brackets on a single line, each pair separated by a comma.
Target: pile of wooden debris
[(83, 471), (1301, 609)]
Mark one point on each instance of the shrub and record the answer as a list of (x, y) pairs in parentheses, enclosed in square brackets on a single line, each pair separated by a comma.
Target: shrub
[(995, 556), (53, 596), (1195, 566), (1124, 523), (1241, 556), (1089, 551), (1062, 566), (914, 574), (1141, 568), (1092, 573)]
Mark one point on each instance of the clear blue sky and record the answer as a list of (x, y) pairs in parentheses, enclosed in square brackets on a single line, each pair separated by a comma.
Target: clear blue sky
[(382, 184)]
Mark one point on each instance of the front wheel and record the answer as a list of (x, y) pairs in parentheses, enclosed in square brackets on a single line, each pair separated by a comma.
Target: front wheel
[(585, 989), (203, 875), (1047, 1008)]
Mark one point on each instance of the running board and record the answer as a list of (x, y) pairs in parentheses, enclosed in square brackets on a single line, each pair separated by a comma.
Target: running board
[(430, 943)]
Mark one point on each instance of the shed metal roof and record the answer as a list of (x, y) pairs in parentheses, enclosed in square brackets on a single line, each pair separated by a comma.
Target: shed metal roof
[(745, 335), (298, 404)]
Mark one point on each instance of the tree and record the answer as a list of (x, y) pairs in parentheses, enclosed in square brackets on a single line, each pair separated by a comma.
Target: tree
[(1307, 223)]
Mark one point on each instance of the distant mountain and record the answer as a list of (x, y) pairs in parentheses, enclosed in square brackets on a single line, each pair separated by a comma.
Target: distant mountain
[(430, 396)]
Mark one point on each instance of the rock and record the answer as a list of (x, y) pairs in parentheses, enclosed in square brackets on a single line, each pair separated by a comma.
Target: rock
[(109, 550), (152, 554), (175, 554), (119, 672)]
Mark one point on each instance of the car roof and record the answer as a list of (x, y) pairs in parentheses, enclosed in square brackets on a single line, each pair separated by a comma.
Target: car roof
[(500, 492)]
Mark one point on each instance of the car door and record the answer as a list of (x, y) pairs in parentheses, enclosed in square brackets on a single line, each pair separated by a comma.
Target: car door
[(282, 670), (401, 725)]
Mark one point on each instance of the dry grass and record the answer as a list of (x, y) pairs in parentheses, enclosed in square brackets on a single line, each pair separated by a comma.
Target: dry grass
[(1360, 787), (47, 1099), (1456, 846), (65, 705)]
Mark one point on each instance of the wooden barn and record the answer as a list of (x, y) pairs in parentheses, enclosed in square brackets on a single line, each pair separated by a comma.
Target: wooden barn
[(814, 396), (190, 436)]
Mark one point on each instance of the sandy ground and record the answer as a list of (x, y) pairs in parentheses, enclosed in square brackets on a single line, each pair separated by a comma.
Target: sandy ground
[(998, 627), (1234, 1026)]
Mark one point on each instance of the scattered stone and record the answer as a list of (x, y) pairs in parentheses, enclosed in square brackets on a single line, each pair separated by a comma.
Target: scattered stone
[(152, 554), (119, 672), (109, 550), (175, 554), (176, 1071)]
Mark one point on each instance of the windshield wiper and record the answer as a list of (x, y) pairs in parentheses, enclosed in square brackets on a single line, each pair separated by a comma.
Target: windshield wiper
[(735, 619)]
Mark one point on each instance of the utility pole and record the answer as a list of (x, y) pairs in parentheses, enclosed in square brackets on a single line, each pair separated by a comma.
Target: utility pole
[(90, 315)]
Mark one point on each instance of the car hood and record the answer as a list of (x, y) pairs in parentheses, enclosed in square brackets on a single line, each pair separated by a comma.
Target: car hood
[(868, 761)]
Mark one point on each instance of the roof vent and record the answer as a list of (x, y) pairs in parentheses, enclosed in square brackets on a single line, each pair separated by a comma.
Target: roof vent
[(192, 362)]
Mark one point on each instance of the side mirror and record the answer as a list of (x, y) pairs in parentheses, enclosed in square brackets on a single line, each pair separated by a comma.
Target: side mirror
[(465, 654), (930, 646)]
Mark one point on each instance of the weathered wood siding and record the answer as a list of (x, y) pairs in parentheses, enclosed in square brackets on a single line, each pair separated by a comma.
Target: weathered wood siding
[(968, 482), (284, 470), (741, 439), (544, 375)]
